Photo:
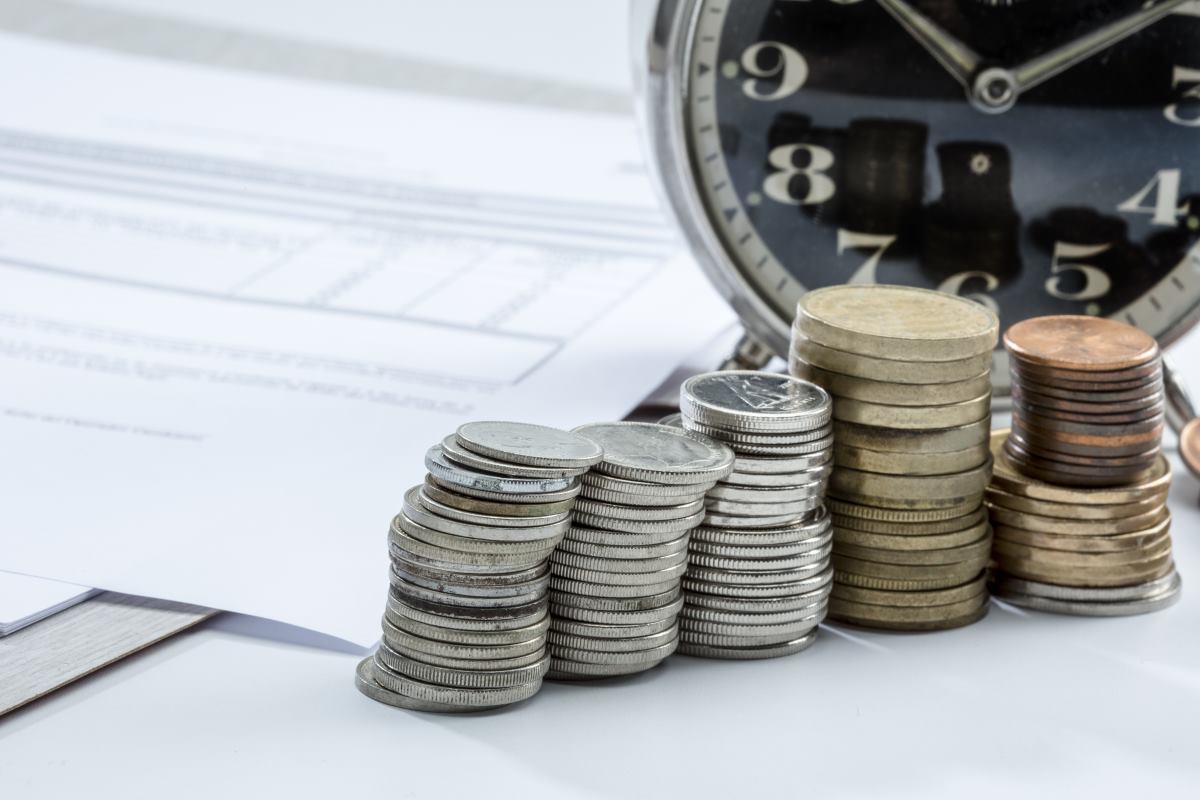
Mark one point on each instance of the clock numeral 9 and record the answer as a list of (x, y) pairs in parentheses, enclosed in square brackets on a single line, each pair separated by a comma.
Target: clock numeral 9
[(788, 67), (1190, 99), (814, 161), (1096, 282)]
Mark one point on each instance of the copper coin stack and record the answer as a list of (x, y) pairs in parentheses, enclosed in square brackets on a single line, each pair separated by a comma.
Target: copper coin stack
[(1079, 491), (908, 370), (1088, 400)]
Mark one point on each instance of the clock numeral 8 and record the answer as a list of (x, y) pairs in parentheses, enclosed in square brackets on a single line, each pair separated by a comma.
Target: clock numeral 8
[(780, 185)]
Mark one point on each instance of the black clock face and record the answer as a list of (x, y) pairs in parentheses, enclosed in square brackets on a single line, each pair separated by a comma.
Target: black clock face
[(830, 145)]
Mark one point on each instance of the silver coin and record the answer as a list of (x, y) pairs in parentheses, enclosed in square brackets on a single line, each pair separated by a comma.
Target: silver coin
[(459, 636), (622, 644), (767, 494), (454, 574), (417, 496), (401, 539), (656, 653), (563, 670), (643, 451), (460, 455), (756, 551), (508, 619), (420, 647), (775, 465), (747, 653), (816, 446), (605, 564), (812, 475), (447, 471), (629, 551), (723, 576), (579, 533), (591, 630), (771, 439), (716, 519), (644, 513), (462, 678), (638, 526), (409, 591), (453, 699), (1001, 582), (558, 496), (523, 443), (611, 590), (751, 618), (458, 589), (658, 490), (1093, 608), (655, 576), (650, 603), (672, 420), (732, 635), (763, 605), (772, 564), (500, 508), (754, 401), (364, 680), (762, 510), (450, 662), (813, 524), (724, 585), (597, 495), (449, 548), (620, 619), (414, 512)]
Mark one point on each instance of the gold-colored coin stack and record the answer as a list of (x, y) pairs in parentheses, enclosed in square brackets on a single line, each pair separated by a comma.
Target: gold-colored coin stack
[(1078, 500), (908, 370)]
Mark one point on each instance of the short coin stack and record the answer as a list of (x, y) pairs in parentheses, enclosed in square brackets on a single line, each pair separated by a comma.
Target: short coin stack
[(908, 370), (758, 578), (467, 614), (615, 578), (1078, 499), (1088, 400)]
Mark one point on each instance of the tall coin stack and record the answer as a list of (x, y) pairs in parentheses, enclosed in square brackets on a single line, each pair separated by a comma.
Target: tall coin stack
[(758, 578), (1078, 499), (615, 578), (908, 370), (467, 614)]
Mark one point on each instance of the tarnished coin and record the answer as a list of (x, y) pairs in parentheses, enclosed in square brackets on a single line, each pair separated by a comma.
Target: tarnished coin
[(605, 537), (562, 641), (417, 497), (1148, 520), (805, 351), (844, 578), (908, 516), (891, 440), (593, 630), (523, 443), (650, 601), (462, 678), (798, 599), (849, 539), (1081, 343), (413, 511), (1102, 415), (447, 471), (642, 451), (751, 401), (1137, 540), (975, 551), (784, 512), (897, 322), (450, 698), (1073, 511), (911, 463), (1005, 584), (563, 670), (642, 616), (1085, 401), (1092, 380), (918, 599), (914, 529), (467, 619), (914, 488), (364, 679), (1115, 608), (893, 393), (960, 505), (919, 618), (917, 418), (1189, 446), (932, 575), (406, 622), (570, 654)]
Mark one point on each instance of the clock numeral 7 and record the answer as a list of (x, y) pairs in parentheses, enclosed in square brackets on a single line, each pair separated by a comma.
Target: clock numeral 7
[(1190, 98), (853, 240)]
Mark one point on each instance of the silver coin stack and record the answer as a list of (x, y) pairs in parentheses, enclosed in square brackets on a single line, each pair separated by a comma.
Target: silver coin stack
[(467, 613), (615, 577), (759, 574)]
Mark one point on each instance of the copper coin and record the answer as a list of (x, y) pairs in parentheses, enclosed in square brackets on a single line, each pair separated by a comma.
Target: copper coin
[(1088, 344), (1100, 417), (1108, 431), (1069, 475), (1189, 446), (1148, 434), (1119, 382), (1042, 395), (1073, 444), (1139, 459)]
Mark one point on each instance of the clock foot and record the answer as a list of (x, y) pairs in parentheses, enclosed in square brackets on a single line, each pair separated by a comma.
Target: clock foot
[(750, 353)]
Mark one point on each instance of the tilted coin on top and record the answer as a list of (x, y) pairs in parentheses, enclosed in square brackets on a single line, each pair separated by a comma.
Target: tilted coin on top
[(524, 443), (644, 451), (743, 400)]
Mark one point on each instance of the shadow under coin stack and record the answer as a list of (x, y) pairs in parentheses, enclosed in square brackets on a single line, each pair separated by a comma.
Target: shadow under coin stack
[(758, 577), (467, 614), (1078, 499), (614, 590), (908, 370)]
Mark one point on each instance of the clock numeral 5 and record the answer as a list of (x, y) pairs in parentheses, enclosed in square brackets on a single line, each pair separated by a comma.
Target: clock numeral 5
[(780, 185), (788, 67), (1166, 209), (1096, 282), (1190, 98)]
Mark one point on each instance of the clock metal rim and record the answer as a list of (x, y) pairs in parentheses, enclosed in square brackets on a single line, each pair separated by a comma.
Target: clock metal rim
[(662, 63)]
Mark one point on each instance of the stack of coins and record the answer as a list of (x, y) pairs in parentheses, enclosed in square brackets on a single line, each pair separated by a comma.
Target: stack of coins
[(1078, 499), (615, 578), (758, 578), (908, 370), (467, 615), (1088, 401)]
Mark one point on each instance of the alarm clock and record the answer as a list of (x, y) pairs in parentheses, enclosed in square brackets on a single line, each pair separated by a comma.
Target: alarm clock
[(1038, 157)]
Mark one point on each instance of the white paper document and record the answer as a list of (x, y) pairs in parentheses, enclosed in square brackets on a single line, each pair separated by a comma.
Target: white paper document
[(25, 600), (236, 310)]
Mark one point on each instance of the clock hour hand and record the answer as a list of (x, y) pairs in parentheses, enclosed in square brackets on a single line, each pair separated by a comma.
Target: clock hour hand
[(959, 60), (996, 89)]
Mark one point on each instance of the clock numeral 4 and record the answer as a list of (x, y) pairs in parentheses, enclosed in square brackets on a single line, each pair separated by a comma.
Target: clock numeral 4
[(788, 68), (1190, 99), (1096, 282), (780, 185), (1166, 209), (955, 285), (878, 243)]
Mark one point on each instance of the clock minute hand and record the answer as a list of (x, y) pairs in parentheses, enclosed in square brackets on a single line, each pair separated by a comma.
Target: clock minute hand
[(1047, 65), (959, 60)]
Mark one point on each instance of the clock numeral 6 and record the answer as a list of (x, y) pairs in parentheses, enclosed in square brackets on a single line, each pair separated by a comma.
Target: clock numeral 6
[(814, 160), (1096, 282), (955, 285), (1190, 99), (788, 67)]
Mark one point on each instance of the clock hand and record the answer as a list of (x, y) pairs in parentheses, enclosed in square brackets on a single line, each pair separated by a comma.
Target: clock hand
[(996, 89), (959, 60)]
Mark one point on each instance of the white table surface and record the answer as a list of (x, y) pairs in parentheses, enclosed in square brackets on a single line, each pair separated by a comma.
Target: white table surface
[(1017, 705)]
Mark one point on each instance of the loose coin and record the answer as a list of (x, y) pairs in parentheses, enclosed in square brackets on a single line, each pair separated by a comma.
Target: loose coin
[(805, 351), (447, 471), (641, 451), (536, 445)]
